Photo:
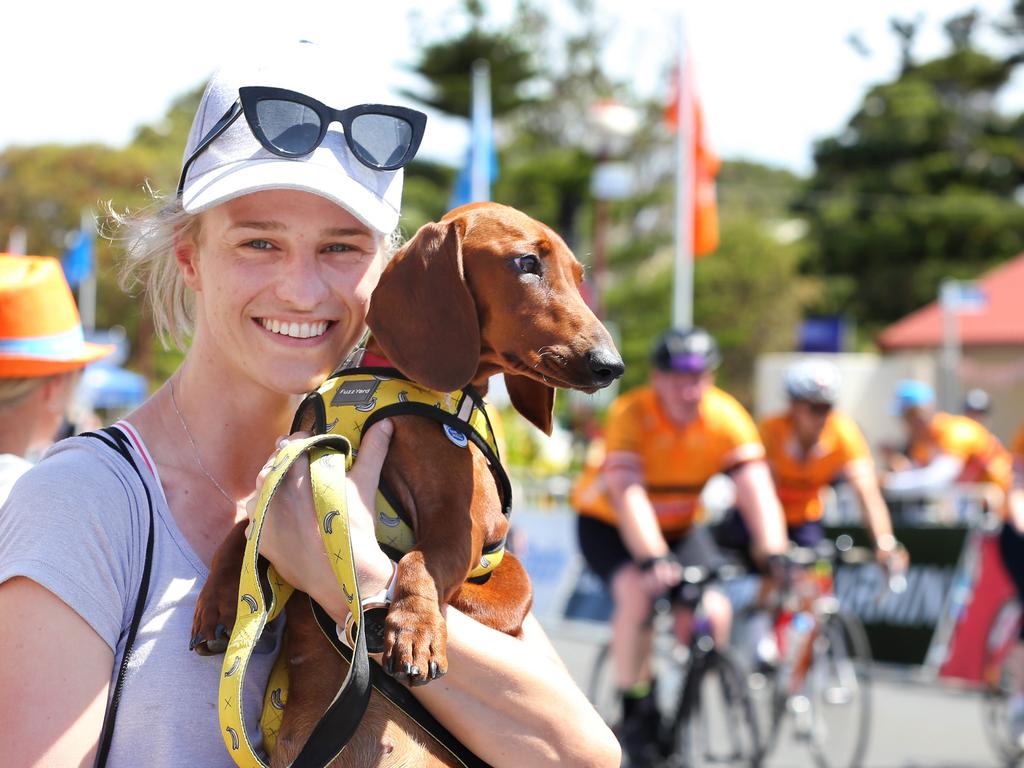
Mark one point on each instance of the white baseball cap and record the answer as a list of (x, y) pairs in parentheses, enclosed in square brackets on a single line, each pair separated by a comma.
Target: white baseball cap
[(235, 163)]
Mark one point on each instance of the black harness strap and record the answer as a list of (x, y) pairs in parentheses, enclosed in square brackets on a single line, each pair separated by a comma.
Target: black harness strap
[(116, 441), (399, 695), (453, 421)]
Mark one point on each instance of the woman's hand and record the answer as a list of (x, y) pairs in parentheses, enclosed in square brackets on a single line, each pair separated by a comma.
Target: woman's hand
[(291, 537)]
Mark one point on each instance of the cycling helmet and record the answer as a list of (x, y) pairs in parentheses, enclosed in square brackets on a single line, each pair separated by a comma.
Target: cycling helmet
[(911, 393), (685, 350), (977, 401), (814, 381)]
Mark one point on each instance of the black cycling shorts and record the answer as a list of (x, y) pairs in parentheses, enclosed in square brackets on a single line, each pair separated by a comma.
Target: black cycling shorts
[(1011, 548), (605, 552), (733, 536)]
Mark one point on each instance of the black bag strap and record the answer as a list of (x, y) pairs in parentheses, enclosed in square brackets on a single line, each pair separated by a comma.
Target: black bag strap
[(116, 441)]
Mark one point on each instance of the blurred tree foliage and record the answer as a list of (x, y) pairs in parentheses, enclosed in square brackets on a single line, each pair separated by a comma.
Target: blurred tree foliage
[(920, 185)]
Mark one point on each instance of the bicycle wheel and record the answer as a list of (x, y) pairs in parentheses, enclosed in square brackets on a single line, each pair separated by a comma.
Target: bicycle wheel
[(997, 721), (668, 661), (601, 689), (715, 722), (838, 693), (766, 693)]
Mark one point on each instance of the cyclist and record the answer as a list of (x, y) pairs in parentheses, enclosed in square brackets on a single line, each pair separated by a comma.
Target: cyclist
[(942, 449), (639, 507), (977, 404), (811, 445), (1011, 550)]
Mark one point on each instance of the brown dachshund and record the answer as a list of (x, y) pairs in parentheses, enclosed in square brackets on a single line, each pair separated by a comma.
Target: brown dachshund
[(486, 290)]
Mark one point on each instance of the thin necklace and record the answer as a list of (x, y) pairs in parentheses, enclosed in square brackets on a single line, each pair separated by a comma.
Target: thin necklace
[(195, 450)]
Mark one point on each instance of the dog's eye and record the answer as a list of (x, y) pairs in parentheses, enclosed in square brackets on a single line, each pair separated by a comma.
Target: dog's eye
[(528, 264)]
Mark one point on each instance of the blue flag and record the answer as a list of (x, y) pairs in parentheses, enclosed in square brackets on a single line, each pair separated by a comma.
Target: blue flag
[(78, 258), (473, 184)]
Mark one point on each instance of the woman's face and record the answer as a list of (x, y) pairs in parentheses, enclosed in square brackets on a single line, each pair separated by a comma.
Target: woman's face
[(283, 281)]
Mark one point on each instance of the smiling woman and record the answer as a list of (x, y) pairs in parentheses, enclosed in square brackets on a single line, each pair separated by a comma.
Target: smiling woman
[(267, 262)]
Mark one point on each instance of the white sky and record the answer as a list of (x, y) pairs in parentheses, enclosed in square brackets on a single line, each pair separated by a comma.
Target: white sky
[(773, 76)]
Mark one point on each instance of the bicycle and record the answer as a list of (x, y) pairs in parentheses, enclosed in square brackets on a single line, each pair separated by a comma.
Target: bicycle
[(822, 679), (708, 717), (1002, 637)]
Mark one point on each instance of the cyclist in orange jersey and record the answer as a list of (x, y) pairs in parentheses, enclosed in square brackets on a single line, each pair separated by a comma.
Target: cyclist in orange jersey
[(639, 506), (942, 449), (812, 445)]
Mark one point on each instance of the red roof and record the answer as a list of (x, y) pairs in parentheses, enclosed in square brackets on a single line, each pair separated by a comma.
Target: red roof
[(1000, 323)]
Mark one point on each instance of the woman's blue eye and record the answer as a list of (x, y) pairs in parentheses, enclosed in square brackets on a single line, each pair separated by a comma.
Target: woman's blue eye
[(260, 245), (528, 264)]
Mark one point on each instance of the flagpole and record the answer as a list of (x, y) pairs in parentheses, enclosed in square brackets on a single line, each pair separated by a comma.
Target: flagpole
[(682, 284), (87, 286), (480, 178)]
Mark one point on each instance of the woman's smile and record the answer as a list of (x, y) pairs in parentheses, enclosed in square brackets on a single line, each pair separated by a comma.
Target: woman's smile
[(296, 330)]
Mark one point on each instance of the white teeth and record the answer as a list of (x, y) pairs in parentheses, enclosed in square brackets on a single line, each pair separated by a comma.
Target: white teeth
[(295, 330)]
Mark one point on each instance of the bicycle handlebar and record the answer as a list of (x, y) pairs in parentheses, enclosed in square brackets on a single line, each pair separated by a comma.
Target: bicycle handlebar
[(841, 550)]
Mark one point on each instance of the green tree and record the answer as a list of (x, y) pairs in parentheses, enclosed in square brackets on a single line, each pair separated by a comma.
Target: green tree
[(919, 185)]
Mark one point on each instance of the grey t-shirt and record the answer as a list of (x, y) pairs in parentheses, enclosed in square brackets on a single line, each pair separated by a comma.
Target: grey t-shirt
[(77, 524)]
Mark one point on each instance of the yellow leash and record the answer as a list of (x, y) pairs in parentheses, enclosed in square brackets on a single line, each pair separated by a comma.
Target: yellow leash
[(262, 592)]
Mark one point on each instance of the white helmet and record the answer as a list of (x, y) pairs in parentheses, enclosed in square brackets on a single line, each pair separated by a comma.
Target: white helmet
[(813, 380)]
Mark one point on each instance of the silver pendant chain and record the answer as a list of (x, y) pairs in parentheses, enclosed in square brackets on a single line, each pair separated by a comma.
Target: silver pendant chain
[(195, 450)]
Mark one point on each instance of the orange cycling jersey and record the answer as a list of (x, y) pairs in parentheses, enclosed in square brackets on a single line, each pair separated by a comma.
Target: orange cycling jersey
[(985, 459), (1017, 446), (799, 477), (675, 461)]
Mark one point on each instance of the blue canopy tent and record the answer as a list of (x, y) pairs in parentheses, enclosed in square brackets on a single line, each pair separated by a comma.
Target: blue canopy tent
[(111, 388)]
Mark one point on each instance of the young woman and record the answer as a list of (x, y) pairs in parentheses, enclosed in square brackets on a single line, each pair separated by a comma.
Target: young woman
[(267, 258)]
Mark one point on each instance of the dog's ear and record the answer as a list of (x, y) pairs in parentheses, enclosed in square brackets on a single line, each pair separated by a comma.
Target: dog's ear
[(534, 401), (422, 313)]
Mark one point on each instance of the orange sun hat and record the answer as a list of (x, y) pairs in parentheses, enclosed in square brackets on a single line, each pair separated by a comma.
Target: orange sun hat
[(40, 329)]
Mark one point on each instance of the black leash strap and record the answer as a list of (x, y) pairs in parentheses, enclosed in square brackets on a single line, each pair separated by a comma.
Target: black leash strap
[(116, 441), (400, 696)]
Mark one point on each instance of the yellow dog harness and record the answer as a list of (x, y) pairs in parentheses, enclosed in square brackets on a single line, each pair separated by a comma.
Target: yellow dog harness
[(343, 408), (351, 400)]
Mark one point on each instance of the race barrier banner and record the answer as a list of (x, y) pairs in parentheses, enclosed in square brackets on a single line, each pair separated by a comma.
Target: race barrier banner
[(987, 625), (902, 627)]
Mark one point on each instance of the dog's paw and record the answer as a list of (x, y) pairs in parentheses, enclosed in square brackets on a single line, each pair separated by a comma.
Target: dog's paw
[(213, 620), (415, 639)]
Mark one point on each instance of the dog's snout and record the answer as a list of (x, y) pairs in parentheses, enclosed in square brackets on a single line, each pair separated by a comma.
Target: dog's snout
[(605, 365)]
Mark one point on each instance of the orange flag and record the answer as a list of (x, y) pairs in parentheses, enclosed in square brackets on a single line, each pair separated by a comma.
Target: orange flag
[(705, 165)]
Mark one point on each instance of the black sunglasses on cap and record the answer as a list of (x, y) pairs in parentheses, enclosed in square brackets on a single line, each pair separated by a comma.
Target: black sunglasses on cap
[(291, 124)]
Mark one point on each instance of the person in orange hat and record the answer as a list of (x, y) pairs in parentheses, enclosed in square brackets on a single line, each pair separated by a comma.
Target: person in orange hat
[(42, 352)]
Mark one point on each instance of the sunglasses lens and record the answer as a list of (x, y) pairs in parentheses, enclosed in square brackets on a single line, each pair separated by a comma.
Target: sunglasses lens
[(380, 141), (291, 128)]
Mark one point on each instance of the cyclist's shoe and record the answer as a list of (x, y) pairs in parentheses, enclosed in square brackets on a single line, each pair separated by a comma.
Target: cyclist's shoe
[(639, 733)]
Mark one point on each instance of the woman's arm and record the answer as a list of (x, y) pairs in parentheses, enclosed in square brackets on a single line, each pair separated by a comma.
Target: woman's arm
[(521, 690), (54, 679)]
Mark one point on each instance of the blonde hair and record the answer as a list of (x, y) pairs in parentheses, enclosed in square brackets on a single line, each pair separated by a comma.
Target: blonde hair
[(149, 235), (13, 391)]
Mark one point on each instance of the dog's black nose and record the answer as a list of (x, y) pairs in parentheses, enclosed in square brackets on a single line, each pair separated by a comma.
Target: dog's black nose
[(605, 365)]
